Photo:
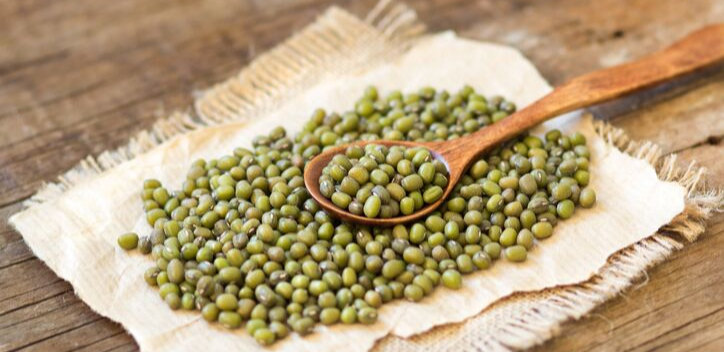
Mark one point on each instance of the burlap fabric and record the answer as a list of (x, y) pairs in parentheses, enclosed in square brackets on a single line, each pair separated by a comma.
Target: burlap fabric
[(593, 257)]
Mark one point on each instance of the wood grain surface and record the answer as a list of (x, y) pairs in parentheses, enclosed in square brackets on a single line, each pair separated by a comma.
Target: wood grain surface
[(79, 77)]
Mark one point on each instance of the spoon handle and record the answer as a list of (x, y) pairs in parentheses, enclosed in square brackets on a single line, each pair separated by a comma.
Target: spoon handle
[(697, 50)]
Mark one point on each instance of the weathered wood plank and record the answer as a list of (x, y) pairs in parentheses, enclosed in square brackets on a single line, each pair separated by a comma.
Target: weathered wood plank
[(14, 252), (51, 317), (128, 80), (710, 156), (716, 344), (98, 335), (690, 335), (12, 247), (7, 234), (670, 308), (570, 37), (24, 277), (110, 104), (120, 342), (79, 77), (691, 119), (22, 299)]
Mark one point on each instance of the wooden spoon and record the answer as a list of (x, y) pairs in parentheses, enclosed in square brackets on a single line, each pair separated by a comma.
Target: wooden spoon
[(698, 50)]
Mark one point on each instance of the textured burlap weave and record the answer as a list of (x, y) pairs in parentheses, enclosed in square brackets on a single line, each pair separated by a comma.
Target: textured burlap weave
[(590, 259)]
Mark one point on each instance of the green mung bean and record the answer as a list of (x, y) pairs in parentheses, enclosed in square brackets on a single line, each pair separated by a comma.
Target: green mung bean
[(452, 279), (381, 182), (243, 242), (128, 241)]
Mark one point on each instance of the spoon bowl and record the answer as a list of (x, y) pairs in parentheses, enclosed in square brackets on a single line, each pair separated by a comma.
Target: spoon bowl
[(699, 50), (313, 172)]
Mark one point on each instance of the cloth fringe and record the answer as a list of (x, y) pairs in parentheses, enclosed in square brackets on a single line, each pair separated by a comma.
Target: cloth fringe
[(328, 47)]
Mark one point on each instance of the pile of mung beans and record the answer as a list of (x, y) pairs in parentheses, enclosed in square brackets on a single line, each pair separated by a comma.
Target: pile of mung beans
[(243, 242), (385, 182)]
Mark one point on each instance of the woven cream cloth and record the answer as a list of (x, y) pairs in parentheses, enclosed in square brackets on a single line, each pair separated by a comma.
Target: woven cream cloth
[(72, 225)]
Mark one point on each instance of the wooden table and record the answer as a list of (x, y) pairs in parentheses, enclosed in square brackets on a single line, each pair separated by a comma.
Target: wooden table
[(79, 77)]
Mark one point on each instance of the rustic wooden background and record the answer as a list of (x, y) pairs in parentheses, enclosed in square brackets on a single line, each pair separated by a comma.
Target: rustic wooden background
[(79, 77)]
